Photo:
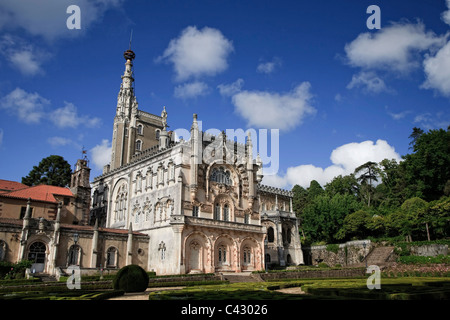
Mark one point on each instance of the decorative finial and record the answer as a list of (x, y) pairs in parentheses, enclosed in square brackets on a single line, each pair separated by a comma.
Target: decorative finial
[(129, 54)]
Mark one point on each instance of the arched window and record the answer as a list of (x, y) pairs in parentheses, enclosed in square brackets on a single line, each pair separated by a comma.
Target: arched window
[(226, 213), (247, 255), (220, 175), (111, 258), (140, 129), (157, 134), (270, 234), (138, 145), (37, 252), (217, 211), (74, 255), (222, 254)]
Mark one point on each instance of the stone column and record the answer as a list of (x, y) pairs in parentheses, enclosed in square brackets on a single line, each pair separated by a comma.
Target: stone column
[(177, 222), (94, 246), (56, 234), (25, 227), (130, 246)]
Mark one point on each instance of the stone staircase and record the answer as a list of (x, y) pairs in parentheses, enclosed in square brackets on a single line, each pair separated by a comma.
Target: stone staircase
[(241, 277), (379, 256)]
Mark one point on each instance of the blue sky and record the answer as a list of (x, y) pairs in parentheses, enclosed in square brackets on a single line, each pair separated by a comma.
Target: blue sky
[(339, 93)]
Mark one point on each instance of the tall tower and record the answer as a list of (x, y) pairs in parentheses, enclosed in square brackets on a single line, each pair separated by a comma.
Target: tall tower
[(125, 120), (134, 130), (81, 188)]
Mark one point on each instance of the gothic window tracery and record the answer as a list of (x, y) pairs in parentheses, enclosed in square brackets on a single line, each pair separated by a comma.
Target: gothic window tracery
[(121, 203), (221, 175)]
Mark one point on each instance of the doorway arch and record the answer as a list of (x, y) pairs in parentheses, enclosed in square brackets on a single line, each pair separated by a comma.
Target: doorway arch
[(37, 255)]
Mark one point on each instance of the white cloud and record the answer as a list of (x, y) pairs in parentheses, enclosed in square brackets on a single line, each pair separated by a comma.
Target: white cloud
[(369, 81), (445, 16), (67, 117), (268, 67), (231, 89), (344, 161), (398, 116), (197, 53), (101, 154), (28, 107), (22, 55), (47, 18), (62, 142), (394, 47), (191, 90), (274, 110), (437, 71), (432, 121)]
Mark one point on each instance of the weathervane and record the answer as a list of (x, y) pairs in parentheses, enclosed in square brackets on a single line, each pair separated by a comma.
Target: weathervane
[(129, 54)]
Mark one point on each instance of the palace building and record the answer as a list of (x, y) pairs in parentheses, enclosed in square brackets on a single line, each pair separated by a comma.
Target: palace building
[(170, 206), (200, 200)]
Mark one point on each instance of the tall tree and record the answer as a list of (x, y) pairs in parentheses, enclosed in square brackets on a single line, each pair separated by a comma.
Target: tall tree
[(53, 170), (427, 169), (368, 173)]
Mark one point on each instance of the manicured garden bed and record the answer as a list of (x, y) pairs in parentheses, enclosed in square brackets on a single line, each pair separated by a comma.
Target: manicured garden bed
[(409, 288)]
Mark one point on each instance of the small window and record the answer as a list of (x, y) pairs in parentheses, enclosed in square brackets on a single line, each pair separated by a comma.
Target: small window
[(138, 145), (157, 133), (226, 213), (140, 129), (270, 234), (195, 211), (111, 257), (217, 212)]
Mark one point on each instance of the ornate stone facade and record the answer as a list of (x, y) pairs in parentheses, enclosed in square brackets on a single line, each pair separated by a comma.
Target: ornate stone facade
[(198, 200)]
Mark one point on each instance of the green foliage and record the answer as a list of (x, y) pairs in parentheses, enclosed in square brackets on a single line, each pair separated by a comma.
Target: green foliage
[(53, 170), (131, 278), (333, 247), (325, 215), (424, 260), (411, 199), (9, 270)]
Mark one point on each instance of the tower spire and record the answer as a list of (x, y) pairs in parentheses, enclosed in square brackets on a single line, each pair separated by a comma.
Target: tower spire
[(131, 37)]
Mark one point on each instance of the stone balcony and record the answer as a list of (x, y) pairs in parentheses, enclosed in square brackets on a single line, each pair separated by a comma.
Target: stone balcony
[(220, 224), (278, 213)]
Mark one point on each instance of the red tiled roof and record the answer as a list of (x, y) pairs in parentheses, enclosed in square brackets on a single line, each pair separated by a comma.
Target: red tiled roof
[(8, 186), (40, 193)]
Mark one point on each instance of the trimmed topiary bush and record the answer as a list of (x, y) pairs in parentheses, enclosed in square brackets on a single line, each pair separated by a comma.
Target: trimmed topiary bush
[(131, 278)]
